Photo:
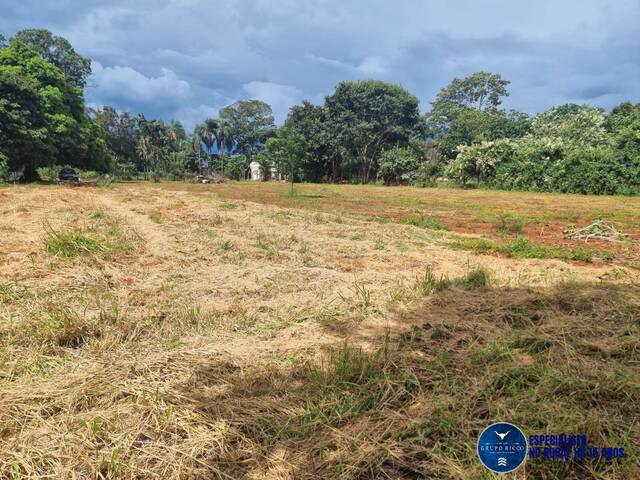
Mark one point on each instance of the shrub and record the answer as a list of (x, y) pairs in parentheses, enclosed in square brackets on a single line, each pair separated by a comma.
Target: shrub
[(398, 166), (572, 124), (479, 161), (530, 166), (236, 167), (4, 168), (125, 171)]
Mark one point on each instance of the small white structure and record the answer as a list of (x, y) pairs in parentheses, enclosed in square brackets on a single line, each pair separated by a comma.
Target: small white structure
[(255, 171)]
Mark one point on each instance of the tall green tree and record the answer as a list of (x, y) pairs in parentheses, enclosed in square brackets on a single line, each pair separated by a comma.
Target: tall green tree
[(573, 124), (224, 140), (369, 116), (622, 115), (251, 123), (472, 126), (467, 111), (43, 105), (60, 52), (121, 135), (287, 149), (206, 132), (482, 91), (24, 136), (153, 145), (321, 159)]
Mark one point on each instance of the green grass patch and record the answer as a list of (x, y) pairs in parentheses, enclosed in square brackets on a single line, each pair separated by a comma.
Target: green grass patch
[(72, 243), (35, 367), (155, 217), (225, 246), (509, 224), (102, 234), (429, 283), (430, 223), (271, 245), (524, 248), (228, 205)]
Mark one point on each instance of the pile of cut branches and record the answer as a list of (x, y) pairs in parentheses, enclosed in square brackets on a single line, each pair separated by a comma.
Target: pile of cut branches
[(598, 230)]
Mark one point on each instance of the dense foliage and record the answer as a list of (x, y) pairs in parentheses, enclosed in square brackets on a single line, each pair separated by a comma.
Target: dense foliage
[(570, 148), (42, 115), (364, 131)]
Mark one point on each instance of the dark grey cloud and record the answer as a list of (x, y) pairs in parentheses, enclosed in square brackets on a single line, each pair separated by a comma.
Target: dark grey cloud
[(185, 59)]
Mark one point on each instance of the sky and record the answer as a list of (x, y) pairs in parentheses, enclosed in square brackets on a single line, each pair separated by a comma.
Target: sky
[(185, 59)]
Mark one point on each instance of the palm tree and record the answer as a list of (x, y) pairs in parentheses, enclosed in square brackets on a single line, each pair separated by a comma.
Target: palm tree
[(206, 133), (224, 140)]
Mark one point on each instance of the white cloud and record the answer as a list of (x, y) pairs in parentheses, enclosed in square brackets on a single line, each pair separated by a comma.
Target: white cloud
[(280, 97), (373, 66), (191, 116), (128, 84)]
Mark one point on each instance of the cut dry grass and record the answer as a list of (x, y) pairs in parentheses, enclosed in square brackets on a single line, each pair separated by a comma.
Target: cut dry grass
[(250, 342), (410, 408)]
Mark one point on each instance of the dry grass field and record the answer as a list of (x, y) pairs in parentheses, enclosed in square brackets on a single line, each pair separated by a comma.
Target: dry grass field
[(235, 331)]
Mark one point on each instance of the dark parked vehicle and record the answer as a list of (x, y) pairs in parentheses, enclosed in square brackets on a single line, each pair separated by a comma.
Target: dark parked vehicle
[(68, 174)]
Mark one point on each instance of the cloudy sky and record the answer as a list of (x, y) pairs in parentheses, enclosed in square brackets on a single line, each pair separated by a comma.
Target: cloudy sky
[(185, 59)]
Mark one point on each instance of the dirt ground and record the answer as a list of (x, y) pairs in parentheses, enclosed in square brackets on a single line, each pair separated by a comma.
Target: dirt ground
[(198, 277)]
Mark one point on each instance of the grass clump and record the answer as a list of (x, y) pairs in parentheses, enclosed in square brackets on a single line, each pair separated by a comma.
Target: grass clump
[(431, 223), (72, 243), (271, 245), (509, 224), (228, 205), (37, 367), (430, 283), (523, 248), (155, 217), (225, 246), (99, 233)]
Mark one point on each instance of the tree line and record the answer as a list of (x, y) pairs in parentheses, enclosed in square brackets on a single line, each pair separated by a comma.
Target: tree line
[(365, 131)]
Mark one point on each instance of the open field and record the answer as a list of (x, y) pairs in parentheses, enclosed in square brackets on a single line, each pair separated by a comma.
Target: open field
[(234, 331), (494, 214)]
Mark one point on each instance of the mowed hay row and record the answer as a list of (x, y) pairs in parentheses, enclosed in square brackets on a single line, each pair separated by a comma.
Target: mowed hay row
[(153, 333)]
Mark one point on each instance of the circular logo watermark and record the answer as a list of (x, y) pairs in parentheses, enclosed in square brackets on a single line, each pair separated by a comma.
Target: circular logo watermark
[(502, 447)]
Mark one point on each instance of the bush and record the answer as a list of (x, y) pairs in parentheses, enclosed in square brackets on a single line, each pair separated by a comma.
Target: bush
[(236, 167), (125, 171), (567, 151), (398, 166), (4, 168), (479, 161), (49, 173), (588, 170), (551, 165), (431, 223), (531, 165), (573, 124)]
